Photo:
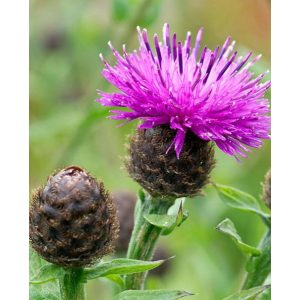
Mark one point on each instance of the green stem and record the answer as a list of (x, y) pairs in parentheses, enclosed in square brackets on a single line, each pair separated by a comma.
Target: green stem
[(71, 286), (144, 236), (259, 267)]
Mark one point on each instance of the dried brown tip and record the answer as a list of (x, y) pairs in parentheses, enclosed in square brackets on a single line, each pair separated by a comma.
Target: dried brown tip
[(161, 173), (72, 220)]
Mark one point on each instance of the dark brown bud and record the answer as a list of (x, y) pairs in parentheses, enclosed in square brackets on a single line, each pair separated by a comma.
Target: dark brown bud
[(161, 173), (125, 202), (267, 189), (72, 220)]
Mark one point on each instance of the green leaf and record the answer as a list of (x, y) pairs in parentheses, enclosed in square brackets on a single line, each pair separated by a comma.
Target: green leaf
[(151, 295), (116, 279), (248, 294), (161, 221), (50, 290), (266, 295), (35, 262), (47, 273), (259, 268), (227, 227), (120, 266), (240, 200), (173, 210), (181, 216), (168, 222)]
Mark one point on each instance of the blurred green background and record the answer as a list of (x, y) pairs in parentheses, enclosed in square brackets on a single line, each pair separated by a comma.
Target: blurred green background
[(68, 127)]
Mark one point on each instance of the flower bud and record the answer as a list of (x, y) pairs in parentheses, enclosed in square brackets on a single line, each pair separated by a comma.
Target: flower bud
[(160, 172), (267, 189), (72, 220)]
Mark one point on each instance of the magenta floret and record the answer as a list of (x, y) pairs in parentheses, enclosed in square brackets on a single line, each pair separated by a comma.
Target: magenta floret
[(211, 93)]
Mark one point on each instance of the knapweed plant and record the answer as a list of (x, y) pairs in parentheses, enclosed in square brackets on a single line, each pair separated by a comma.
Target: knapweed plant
[(188, 99)]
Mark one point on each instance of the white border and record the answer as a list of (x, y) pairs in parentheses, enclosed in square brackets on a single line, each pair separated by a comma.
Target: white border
[(14, 27), (285, 150)]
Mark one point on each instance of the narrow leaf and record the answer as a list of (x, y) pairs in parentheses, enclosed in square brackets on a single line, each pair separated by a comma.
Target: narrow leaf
[(47, 273), (182, 215), (173, 210), (151, 295), (120, 266), (259, 268), (248, 294), (240, 200), (227, 227)]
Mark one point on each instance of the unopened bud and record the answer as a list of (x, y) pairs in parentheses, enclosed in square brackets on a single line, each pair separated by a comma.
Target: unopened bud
[(72, 219)]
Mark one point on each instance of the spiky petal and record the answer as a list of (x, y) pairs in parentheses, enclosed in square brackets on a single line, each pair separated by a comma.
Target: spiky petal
[(210, 92)]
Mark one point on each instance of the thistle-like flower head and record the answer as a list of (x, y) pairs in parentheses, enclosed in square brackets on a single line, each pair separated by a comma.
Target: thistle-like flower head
[(209, 92)]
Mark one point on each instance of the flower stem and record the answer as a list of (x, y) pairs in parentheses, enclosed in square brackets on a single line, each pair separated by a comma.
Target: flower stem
[(71, 286), (144, 236), (259, 267)]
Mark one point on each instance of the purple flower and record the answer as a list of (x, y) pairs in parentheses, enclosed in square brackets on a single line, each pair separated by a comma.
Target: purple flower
[(210, 92)]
